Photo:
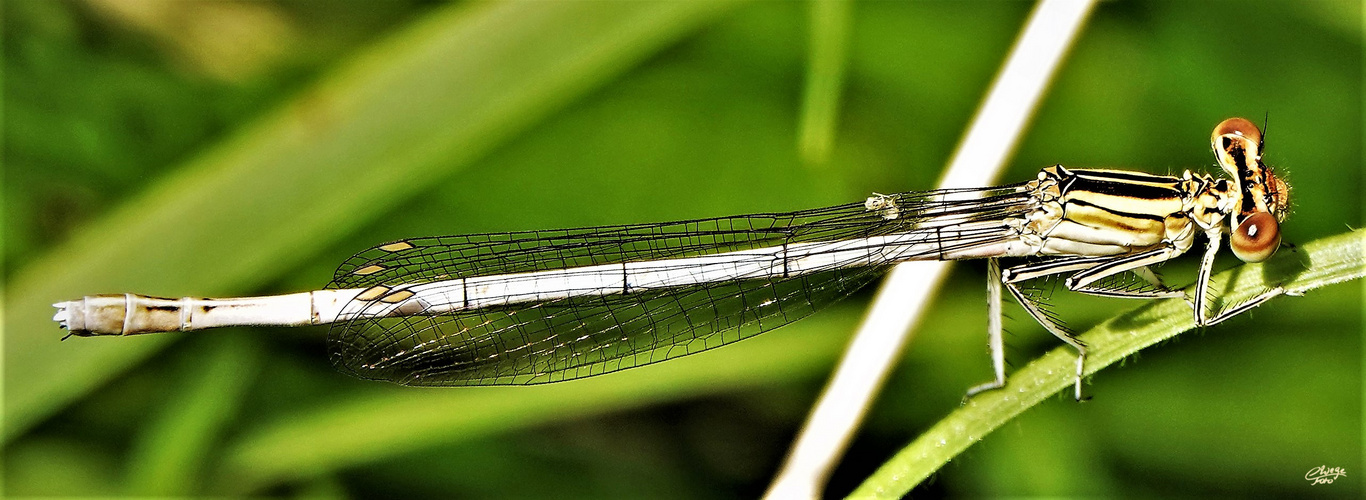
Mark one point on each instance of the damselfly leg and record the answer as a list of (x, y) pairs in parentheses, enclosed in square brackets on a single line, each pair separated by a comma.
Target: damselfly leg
[(1088, 272), (1205, 315)]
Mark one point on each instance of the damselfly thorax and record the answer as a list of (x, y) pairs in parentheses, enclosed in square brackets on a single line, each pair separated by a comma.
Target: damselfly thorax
[(541, 306)]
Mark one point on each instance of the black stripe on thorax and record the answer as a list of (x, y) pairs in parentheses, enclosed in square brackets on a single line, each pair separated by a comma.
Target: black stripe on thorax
[(1124, 184), (1118, 213), (1124, 175)]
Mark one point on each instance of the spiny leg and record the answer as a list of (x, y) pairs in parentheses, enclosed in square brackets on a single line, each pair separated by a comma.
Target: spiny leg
[(1056, 265), (1092, 269), (1013, 276), (995, 278), (994, 330), (1054, 328), (1084, 281), (1147, 274), (1009, 277), (1202, 283)]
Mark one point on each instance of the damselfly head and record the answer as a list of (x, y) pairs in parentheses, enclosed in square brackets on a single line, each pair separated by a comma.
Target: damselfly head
[(1263, 197)]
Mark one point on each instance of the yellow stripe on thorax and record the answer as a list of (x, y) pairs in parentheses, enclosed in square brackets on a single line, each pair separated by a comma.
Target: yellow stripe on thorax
[(1122, 208)]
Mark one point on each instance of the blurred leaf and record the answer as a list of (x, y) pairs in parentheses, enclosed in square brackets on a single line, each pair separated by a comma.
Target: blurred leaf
[(169, 456), (322, 488), (392, 422), (397, 118), (225, 40), (1324, 262), (59, 467), (830, 25)]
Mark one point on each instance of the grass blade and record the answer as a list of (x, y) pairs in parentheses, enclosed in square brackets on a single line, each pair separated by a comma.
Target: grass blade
[(169, 456), (392, 421), (1320, 263), (399, 117)]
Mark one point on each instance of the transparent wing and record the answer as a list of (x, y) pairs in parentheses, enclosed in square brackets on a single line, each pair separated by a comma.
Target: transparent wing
[(609, 330)]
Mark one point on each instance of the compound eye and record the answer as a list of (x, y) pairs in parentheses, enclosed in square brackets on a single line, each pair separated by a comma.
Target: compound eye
[(1239, 127), (1256, 238)]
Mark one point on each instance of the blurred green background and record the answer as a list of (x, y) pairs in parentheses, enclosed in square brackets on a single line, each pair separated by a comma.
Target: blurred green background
[(215, 148)]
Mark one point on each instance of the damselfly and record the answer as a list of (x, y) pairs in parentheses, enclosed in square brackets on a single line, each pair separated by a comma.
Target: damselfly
[(544, 306)]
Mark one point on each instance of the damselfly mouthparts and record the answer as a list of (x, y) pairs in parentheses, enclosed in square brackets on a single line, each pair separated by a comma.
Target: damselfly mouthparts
[(543, 306)]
